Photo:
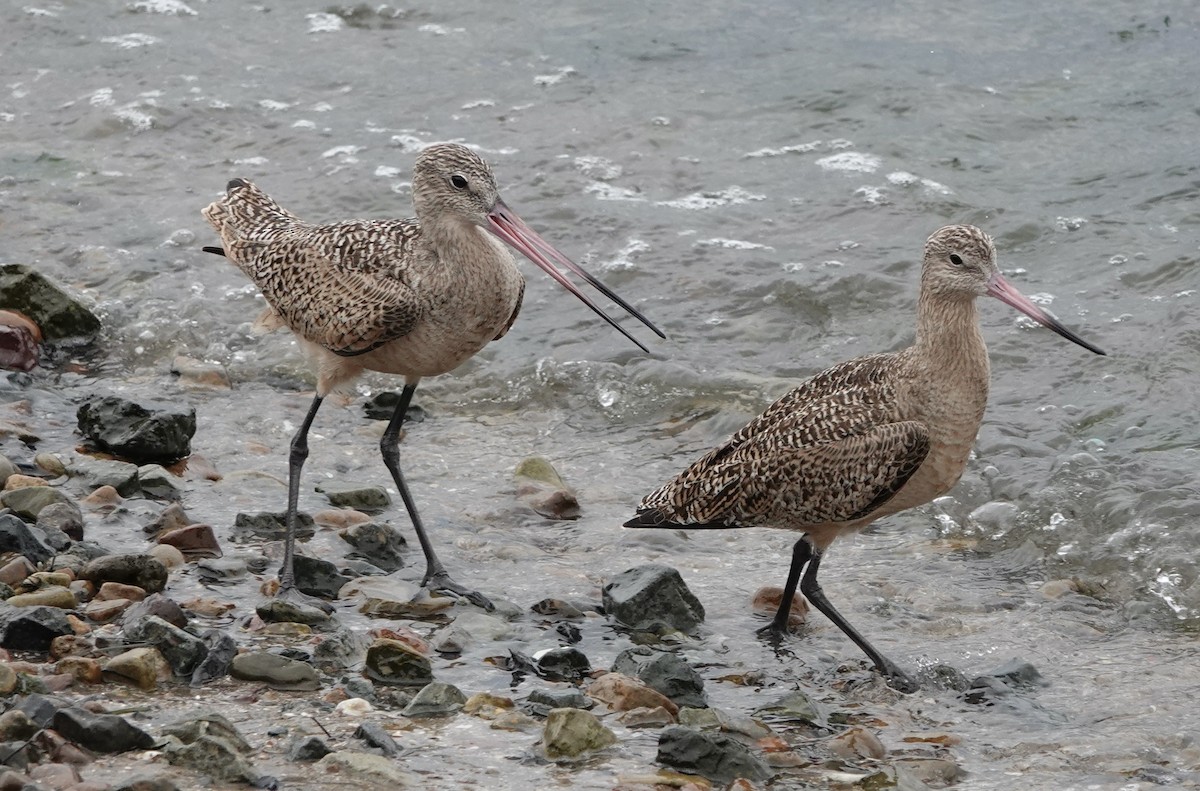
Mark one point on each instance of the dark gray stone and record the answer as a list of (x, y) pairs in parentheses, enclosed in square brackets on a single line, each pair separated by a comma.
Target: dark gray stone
[(275, 671), (31, 628), (715, 756), (120, 475), (61, 518), (436, 699), (792, 707), (16, 536), (59, 315), (183, 651), (318, 577), (360, 497), (143, 433), (158, 605), (381, 544), (15, 755), (541, 702), (382, 406), (1012, 676), (562, 664), (41, 708), (396, 664), (222, 648), (144, 571), (663, 672), (145, 781), (271, 525), (102, 733), (652, 597), (375, 736), (211, 745), (308, 748), (30, 501)]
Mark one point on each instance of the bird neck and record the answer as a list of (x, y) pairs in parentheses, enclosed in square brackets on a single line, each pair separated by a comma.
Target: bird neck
[(948, 331)]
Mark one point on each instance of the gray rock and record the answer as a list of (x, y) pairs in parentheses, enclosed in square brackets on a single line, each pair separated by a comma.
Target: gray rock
[(16, 725), (652, 597), (59, 315), (715, 756), (396, 664), (222, 648), (381, 544), (340, 649), (375, 736), (102, 733), (560, 699), (541, 488), (31, 628), (293, 609), (212, 746), (64, 518), (156, 604), (41, 708), (143, 433), (18, 537), (146, 781), (663, 672), (572, 732), (1013, 675), (144, 571), (275, 671), (29, 501), (562, 664), (382, 406), (156, 482), (318, 577), (360, 497), (7, 468), (271, 525), (308, 748), (436, 699), (208, 724), (17, 759), (792, 707), (120, 475), (367, 770), (183, 651)]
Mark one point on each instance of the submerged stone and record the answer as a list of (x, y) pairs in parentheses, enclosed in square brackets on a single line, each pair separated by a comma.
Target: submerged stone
[(572, 732), (28, 502), (381, 544), (664, 672), (144, 433), (318, 577), (120, 475), (652, 597), (436, 699), (275, 671), (271, 525), (360, 497), (541, 488), (57, 314), (143, 571), (375, 736), (715, 756), (396, 663)]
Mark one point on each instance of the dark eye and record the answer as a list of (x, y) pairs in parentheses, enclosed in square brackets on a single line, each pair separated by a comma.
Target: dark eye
[(458, 182), (956, 259)]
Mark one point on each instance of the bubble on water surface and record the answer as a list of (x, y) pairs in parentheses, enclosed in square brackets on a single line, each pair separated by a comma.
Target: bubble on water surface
[(175, 7), (557, 77), (598, 168), (731, 196), (799, 148), (604, 191), (130, 40), (851, 162), (324, 23), (731, 244)]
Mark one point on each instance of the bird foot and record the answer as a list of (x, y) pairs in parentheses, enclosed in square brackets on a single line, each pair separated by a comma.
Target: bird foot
[(441, 583), (897, 679), (773, 632)]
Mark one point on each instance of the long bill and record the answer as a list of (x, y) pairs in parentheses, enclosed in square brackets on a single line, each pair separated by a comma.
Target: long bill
[(504, 223), (999, 288)]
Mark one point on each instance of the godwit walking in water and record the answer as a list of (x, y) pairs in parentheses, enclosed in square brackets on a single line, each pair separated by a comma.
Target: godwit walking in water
[(863, 439), (413, 297)]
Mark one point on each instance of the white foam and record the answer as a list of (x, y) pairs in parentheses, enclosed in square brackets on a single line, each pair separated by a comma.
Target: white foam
[(440, 30), (322, 107), (598, 168), (348, 153), (1041, 298), (273, 106), (251, 161), (324, 23), (132, 116), (731, 244), (176, 7), (851, 161), (604, 191), (799, 148), (872, 195), (556, 77), (624, 256), (130, 40), (477, 104), (904, 179), (101, 97), (38, 11), (303, 124), (730, 196), (387, 171), (409, 143), (1070, 223)]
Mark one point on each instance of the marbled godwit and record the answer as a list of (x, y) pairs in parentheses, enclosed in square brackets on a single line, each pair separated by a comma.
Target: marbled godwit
[(863, 439), (413, 297)]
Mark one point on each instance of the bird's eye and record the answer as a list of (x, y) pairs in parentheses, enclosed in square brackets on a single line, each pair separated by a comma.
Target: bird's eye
[(956, 259), (458, 182)]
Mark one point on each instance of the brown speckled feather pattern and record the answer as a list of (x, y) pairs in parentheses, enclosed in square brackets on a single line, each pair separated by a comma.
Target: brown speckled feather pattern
[(832, 450)]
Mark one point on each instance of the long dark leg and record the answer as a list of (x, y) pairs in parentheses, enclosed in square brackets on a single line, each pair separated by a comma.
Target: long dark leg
[(897, 678), (436, 578), (778, 627), (299, 452)]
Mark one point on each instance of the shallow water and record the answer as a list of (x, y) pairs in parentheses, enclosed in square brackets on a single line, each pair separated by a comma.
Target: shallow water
[(759, 179)]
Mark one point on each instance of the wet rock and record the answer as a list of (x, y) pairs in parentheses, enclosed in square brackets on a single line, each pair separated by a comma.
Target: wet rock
[(541, 488), (7, 468), (1012, 676), (360, 497), (169, 556), (795, 706), (17, 569), (308, 748), (103, 499), (572, 732), (144, 433), (223, 570), (562, 664), (49, 596), (194, 541), (857, 743), (172, 517), (120, 475), (28, 502), (31, 628), (381, 544), (436, 699), (155, 481), (664, 672), (222, 648), (158, 605), (271, 525), (556, 608), (183, 650), (398, 664), (622, 693), (487, 706), (15, 725), (766, 602), (657, 717), (942, 676), (292, 609), (930, 772), (318, 577), (142, 667), (382, 406), (8, 679), (119, 590), (209, 744), (652, 597), (51, 463), (59, 315), (102, 733), (275, 671), (20, 342), (81, 668), (540, 701), (339, 649), (385, 597), (715, 756), (63, 517), (55, 775), (146, 781), (202, 373), (41, 708), (375, 736), (366, 768), (141, 570)]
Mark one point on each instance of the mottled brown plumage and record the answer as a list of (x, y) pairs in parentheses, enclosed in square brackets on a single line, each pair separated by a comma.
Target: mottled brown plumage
[(415, 297), (863, 439)]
